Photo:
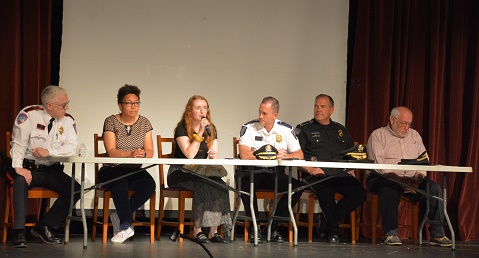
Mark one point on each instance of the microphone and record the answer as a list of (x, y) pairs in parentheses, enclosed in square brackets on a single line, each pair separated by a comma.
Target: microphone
[(207, 128)]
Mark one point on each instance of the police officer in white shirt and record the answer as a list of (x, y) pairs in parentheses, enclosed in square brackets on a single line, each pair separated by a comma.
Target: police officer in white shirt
[(267, 129), (39, 132)]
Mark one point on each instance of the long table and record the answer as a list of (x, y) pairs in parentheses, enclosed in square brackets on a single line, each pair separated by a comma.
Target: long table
[(237, 162)]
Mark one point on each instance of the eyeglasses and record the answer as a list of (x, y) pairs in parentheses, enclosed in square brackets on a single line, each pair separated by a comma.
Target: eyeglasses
[(404, 124), (129, 104), (199, 109), (64, 105)]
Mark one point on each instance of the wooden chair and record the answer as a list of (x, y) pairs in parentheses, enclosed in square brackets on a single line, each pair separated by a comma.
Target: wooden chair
[(34, 193), (308, 195), (373, 224), (106, 195), (168, 192), (264, 194)]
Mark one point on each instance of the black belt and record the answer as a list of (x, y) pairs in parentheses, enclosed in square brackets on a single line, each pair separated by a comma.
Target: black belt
[(30, 165)]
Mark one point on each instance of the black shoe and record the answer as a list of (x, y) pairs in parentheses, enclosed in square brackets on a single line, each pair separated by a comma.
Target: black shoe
[(276, 237), (251, 235), (20, 241), (217, 238), (334, 239), (322, 228), (202, 238), (46, 235)]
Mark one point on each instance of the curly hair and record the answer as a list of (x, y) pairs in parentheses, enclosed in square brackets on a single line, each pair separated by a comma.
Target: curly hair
[(187, 120), (127, 89)]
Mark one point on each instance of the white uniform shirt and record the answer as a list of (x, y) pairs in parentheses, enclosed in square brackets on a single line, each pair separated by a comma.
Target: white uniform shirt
[(30, 131), (281, 136)]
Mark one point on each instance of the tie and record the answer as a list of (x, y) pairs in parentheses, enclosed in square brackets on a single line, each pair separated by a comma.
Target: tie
[(50, 124)]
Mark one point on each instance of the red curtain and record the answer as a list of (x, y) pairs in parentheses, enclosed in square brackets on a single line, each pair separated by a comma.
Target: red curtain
[(25, 28), (423, 55)]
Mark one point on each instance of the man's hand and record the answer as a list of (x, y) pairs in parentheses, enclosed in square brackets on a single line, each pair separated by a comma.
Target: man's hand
[(27, 174), (282, 154), (316, 172), (40, 152)]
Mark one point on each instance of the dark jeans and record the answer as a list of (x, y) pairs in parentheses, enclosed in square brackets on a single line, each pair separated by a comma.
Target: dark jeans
[(390, 194), (142, 183), (266, 181), (51, 178), (348, 186)]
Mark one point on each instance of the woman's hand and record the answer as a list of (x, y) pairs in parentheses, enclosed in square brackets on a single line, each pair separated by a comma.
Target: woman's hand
[(138, 153), (212, 154)]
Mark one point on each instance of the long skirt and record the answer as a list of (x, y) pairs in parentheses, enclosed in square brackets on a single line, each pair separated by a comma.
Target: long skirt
[(211, 202)]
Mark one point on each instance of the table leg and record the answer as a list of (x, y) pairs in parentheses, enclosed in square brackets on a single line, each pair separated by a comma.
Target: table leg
[(82, 206), (70, 209), (251, 206), (451, 229), (291, 214)]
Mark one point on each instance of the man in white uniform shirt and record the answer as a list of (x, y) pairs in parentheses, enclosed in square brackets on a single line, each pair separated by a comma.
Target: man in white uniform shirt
[(267, 129), (388, 145), (39, 132)]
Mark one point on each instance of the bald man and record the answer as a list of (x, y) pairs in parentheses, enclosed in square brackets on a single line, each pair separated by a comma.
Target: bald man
[(388, 145)]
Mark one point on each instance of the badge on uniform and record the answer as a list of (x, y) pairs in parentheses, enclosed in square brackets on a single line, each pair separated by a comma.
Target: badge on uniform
[(60, 130), (279, 138), (41, 127), (340, 133)]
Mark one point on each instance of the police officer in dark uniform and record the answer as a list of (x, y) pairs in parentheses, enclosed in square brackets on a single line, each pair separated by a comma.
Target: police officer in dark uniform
[(322, 139), (39, 132)]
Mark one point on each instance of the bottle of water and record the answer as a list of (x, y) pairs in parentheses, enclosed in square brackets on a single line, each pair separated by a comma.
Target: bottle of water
[(82, 151)]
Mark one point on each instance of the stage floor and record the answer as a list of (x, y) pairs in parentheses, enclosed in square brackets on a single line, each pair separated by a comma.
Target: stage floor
[(140, 247)]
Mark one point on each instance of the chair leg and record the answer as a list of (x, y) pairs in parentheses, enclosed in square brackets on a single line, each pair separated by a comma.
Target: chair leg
[(161, 213), (181, 216), (352, 221), (6, 216), (152, 217), (95, 218), (106, 211), (310, 218)]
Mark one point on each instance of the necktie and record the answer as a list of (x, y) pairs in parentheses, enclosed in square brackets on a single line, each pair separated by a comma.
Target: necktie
[(50, 124)]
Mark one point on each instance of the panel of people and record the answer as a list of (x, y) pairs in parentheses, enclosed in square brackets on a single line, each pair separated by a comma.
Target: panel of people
[(41, 131)]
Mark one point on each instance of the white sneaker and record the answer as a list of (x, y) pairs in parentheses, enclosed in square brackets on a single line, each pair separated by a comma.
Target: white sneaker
[(115, 220), (122, 236)]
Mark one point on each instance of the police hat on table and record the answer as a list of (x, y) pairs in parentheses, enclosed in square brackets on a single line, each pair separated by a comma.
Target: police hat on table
[(266, 152), (357, 152), (423, 159)]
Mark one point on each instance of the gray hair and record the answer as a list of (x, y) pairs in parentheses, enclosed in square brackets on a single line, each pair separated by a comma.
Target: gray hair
[(397, 110), (50, 92)]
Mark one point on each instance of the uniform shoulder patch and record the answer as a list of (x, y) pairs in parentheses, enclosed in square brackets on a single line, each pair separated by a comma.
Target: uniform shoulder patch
[(32, 108), (243, 130), (285, 124), (70, 116), (21, 118), (252, 121)]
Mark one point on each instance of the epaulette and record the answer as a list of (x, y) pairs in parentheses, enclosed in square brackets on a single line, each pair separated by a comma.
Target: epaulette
[(32, 108), (306, 123), (70, 116), (252, 121), (338, 124), (284, 124)]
